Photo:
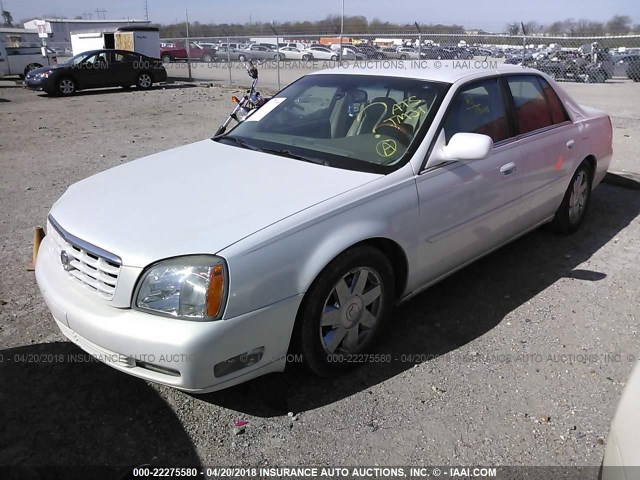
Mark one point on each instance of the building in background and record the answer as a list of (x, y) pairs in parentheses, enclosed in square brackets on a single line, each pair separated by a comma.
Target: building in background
[(59, 29), (19, 37)]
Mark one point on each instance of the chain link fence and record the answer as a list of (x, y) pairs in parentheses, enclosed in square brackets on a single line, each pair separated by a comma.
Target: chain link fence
[(595, 59)]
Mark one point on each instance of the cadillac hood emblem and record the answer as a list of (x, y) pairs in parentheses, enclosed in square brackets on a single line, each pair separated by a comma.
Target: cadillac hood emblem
[(66, 262)]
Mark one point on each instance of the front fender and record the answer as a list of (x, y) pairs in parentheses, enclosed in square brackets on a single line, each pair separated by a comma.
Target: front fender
[(283, 260)]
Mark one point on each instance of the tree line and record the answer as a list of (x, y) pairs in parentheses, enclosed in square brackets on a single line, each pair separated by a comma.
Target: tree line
[(328, 26), (617, 25), (358, 24)]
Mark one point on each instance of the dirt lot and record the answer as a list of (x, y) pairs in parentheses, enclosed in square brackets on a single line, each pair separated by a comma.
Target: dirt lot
[(517, 360)]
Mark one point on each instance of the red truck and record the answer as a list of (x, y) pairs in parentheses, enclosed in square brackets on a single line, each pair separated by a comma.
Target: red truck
[(179, 52)]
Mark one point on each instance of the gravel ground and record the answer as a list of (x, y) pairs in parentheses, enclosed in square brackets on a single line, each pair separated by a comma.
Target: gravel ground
[(518, 359)]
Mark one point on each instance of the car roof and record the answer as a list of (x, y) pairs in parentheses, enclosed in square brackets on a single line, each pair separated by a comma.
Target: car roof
[(449, 71)]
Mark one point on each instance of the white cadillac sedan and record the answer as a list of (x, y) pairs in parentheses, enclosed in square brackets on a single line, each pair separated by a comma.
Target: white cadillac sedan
[(349, 191)]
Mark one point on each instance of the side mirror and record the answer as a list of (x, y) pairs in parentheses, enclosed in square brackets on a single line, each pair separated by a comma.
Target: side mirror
[(468, 146)]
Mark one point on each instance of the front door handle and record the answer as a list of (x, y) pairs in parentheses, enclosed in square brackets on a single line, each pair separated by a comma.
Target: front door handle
[(570, 144), (508, 169)]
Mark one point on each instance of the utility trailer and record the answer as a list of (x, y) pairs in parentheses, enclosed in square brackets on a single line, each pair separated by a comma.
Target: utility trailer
[(145, 40)]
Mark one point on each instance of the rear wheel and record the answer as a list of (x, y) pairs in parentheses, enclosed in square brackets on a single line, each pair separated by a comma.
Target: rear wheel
[(144, 81), (66, 86), (344, 309), (31, 66), (334, 57), (573, 208), (166, 58), (207, 58), (242, 58)]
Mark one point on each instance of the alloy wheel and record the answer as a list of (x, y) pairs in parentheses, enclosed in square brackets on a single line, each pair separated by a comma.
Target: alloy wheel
[(351, 311)]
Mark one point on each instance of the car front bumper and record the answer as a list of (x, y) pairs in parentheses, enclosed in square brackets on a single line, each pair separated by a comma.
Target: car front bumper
[(178, 353), (33, 84)]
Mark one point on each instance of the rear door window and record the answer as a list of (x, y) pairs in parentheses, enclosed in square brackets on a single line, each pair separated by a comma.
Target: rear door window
[(532, 111), (558, 113)]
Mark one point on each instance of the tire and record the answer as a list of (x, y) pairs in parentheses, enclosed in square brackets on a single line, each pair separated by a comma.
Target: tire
[(306, 58), (345, 323), (166, 58), (334, 57), (31, 66), (573, 208), (144, 81), (403, 57), (379, 56), (242, 58), (66, 86), (207, 58)]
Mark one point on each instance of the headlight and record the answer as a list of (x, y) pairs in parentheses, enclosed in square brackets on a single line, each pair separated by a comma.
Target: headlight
[(190, 288)]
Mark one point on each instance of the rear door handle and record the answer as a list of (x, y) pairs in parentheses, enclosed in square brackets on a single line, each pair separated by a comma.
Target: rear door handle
[(570, 144), (508, 169)]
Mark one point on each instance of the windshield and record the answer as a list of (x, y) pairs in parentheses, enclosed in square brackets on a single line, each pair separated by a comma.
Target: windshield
[(359, 122), (78, 58)]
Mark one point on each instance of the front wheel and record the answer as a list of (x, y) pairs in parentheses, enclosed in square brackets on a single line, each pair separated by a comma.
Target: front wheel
[(144, 81), (242, 58), (66, 86), (166, 58), (207, 58), (334, 57), (573, 208), (344, 309), (306, 58)]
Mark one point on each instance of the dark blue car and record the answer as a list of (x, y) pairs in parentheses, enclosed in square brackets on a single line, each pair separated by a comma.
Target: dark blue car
[(98, 69)]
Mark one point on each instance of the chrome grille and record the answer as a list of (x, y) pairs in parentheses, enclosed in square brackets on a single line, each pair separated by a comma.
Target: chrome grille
[(91, 267)]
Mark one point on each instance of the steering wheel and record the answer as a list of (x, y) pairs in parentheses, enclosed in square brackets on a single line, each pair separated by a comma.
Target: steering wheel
[(400, 132)]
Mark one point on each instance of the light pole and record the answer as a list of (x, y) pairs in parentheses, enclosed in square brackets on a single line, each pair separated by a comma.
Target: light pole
[(341, 30)]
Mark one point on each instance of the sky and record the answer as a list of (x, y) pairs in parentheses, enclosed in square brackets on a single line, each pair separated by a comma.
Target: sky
[(491, 15)]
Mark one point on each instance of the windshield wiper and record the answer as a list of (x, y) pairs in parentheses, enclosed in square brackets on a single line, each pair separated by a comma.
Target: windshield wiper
[(274, 151), (241, 143), (295, 156)]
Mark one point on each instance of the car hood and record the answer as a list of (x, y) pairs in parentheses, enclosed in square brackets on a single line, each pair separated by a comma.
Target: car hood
[(199, 198), (38, 70)]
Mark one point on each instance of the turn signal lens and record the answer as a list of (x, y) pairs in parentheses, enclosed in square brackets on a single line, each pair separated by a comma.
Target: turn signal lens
[(216, 291), (235, 99)]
